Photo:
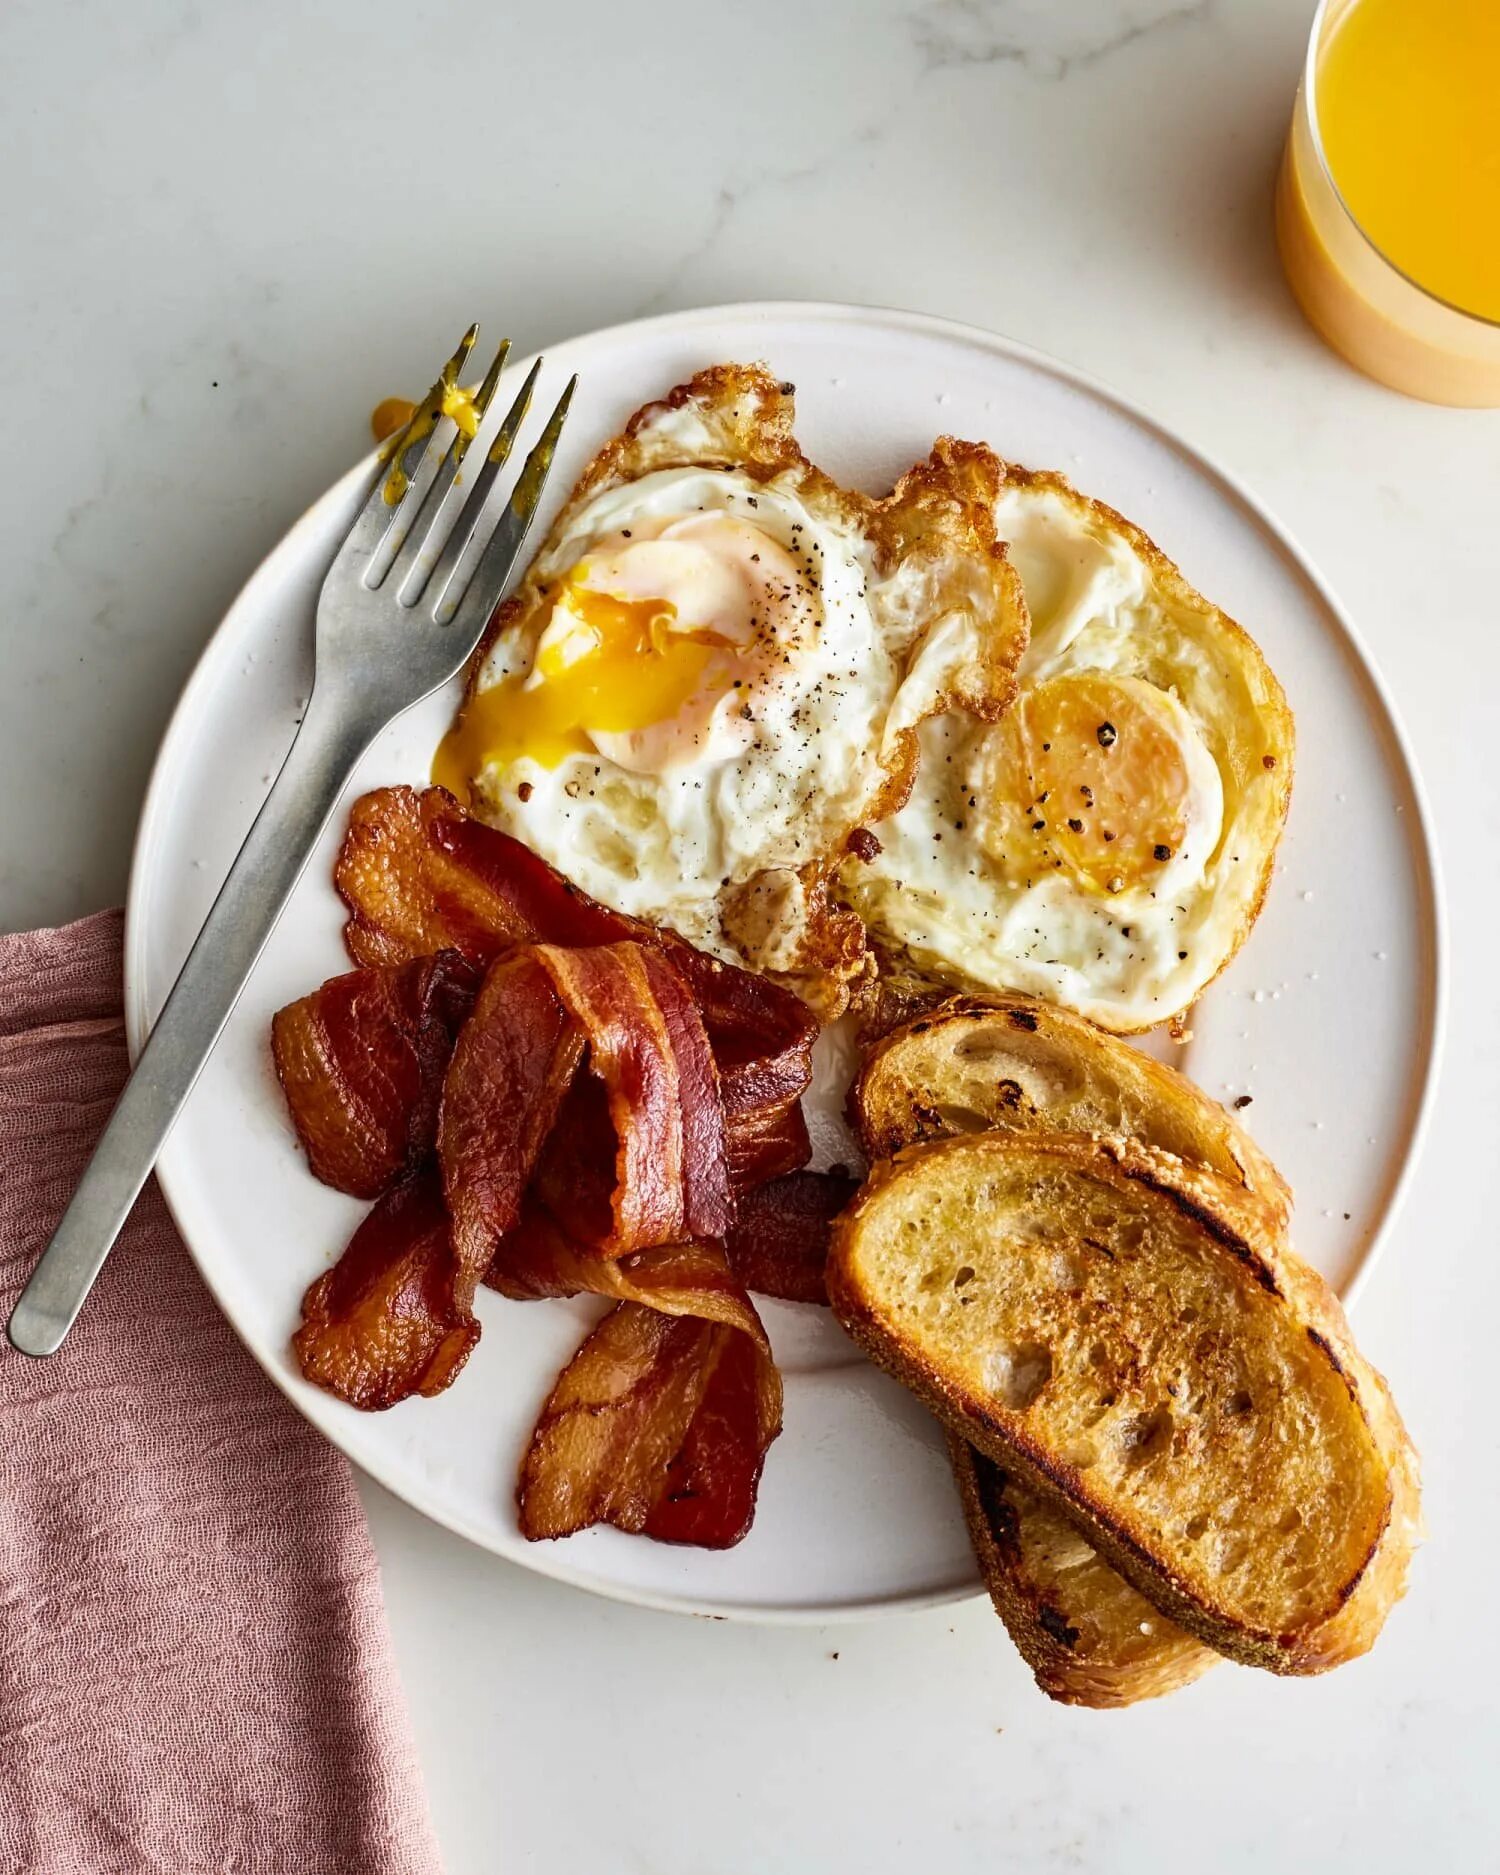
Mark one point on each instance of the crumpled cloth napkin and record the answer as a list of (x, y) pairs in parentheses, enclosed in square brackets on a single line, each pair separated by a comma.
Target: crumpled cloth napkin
[(195, 1672)]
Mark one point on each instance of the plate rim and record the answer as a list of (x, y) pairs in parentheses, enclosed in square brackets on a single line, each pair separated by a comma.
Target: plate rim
[(1424, 849)]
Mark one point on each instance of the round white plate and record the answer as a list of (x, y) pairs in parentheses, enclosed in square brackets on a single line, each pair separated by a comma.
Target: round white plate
[(1328, 1019)]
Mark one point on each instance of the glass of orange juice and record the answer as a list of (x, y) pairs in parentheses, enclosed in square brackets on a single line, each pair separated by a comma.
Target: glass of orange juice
[(1388, 205)]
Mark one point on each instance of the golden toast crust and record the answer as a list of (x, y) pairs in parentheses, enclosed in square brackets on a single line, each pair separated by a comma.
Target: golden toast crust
[(1013, 1062), (1087, 1635)]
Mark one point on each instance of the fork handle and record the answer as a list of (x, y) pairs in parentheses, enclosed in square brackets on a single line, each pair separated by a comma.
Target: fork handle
[(243, 916)]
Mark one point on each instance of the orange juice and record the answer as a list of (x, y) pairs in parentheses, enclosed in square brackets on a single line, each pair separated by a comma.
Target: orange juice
[(1388, 208), (1408, 96)]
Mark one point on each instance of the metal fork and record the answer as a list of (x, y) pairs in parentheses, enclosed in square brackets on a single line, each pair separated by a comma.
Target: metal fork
[(402, 608)]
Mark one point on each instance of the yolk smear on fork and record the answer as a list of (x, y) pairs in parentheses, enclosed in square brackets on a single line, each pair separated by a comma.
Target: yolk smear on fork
[(459, 404), (399, 424), (617, 665)]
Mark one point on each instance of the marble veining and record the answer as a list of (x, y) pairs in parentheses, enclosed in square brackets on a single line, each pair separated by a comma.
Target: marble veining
[(1047, 42)]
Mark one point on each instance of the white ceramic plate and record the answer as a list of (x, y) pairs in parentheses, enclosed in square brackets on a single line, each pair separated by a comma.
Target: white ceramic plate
[(1329, 1018)]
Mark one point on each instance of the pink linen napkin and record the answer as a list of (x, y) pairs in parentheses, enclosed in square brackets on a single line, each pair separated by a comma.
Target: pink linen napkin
[(195, 1673)]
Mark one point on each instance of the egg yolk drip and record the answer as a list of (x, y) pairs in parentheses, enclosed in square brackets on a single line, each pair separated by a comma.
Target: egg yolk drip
[(651, 642), (617, 666), (1104, 778), (391, 415)]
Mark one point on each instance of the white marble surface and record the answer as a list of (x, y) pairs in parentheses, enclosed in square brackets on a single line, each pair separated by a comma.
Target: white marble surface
[(228, 229)]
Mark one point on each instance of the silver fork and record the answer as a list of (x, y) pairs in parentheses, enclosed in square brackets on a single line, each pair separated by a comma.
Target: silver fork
[(382, 644)]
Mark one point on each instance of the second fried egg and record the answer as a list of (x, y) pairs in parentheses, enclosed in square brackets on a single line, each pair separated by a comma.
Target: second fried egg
[(1108, 843)]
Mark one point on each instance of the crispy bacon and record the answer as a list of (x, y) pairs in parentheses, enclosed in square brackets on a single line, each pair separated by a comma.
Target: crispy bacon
[(419, 874), (707, 1200), (649, 1105), (511, 1069), (764, 1139), (540, 1259), (648, 1048), (714, 1477), (761, 1142), (610, 1093), (661, 1421), (575, 1176), (361, 1062), (616, 1418), (762, 1040), (383, 1324), (779, 1242)]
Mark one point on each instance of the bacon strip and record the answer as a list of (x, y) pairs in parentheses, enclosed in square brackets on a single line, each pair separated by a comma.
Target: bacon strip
[(707, 1200), (575, 1176), (760, 1142), (764, 1140), (361, 1062), (514, 1063), (661, 1421), (419, 874), (779, 1242), (512, 1109), (762, 1038), (648, 1047), (714, 1478), (383, 1324), (616, 1418), (539, 1259)]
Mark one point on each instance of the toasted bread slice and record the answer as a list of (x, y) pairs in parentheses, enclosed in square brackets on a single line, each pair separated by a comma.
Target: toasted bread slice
[(977, 1062), (1124, 1332), (1089, 1638)]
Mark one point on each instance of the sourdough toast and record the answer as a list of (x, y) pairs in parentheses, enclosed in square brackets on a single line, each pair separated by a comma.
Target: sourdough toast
[(976, 1062), (1125, 1333), (1086, 1634)]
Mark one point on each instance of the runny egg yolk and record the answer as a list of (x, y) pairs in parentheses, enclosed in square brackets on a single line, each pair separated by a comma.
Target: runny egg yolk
[(1104, 778), (645, 639), (617, 666)]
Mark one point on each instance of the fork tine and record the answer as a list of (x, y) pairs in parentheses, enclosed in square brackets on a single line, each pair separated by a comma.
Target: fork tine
[(485, 394), (413, 545), (463, 531), (514, 417), (413, 464), (423, 421), (477, 592), (365, 538)]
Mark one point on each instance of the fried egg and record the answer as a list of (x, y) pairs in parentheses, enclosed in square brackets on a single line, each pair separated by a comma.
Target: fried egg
[(713, 673), (1107, 845)]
